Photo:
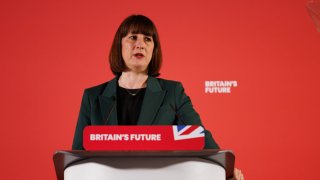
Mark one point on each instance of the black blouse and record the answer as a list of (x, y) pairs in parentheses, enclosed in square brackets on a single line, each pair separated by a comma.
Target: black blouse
[(129, 102)]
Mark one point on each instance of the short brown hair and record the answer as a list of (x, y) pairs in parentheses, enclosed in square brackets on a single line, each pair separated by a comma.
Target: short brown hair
[(137, 24)]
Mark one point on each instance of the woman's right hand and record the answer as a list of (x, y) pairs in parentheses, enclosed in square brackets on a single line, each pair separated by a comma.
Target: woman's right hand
[(237, 175)]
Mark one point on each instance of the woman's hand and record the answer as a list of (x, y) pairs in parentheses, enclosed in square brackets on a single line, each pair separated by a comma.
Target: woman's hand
[(237, 175)]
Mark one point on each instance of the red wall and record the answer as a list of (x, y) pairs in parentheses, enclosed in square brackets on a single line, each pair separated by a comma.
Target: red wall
[(51, 51)]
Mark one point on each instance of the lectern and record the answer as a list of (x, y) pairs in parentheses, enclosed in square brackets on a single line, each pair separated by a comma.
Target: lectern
[(206, 164)]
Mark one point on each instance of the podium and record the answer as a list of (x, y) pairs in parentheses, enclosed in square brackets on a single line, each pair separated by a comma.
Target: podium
[(206, 164)]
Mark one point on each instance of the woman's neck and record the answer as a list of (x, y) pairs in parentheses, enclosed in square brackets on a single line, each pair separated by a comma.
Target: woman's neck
[(133, 80)]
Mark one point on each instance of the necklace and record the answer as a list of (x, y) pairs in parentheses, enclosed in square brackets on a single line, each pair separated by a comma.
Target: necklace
[(133, 93)]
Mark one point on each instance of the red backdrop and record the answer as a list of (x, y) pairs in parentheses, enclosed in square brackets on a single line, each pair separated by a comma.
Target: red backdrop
[(52, 50)]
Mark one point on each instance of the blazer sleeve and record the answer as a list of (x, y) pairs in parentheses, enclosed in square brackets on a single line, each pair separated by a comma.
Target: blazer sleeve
[(83, 121), (186, 115)]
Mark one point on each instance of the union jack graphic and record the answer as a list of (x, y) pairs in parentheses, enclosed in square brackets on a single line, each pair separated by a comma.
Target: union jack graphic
[(187, 132)]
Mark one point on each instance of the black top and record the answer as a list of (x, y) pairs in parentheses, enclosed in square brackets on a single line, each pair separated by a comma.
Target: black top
[(129, 102)]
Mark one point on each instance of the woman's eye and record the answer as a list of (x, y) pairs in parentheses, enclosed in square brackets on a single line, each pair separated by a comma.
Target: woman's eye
[(133, 37), (148, 39)]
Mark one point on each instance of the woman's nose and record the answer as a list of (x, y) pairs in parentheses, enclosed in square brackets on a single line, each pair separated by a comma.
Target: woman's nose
[(140, 44)]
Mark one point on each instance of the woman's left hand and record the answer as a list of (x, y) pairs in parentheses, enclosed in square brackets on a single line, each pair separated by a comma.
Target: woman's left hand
[(237, 175)]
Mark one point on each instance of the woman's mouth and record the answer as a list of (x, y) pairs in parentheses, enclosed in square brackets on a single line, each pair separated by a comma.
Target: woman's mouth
[(138, 55)]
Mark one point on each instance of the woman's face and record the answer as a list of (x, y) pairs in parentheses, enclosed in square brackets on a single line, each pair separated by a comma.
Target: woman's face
[(137, 51)]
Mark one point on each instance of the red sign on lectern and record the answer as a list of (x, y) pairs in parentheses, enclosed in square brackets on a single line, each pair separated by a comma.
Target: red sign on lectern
[(185, 137)]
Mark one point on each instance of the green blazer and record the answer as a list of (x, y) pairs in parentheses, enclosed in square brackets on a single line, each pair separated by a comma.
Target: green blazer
[(164, 103)]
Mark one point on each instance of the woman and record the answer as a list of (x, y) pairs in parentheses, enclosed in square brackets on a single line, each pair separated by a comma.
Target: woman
[(135, 96)]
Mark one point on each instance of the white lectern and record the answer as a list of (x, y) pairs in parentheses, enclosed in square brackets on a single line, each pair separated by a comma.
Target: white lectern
[(144, 165)]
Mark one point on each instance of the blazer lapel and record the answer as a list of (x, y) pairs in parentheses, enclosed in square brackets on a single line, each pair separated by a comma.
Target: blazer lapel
[(108, 103), (151, 103)]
